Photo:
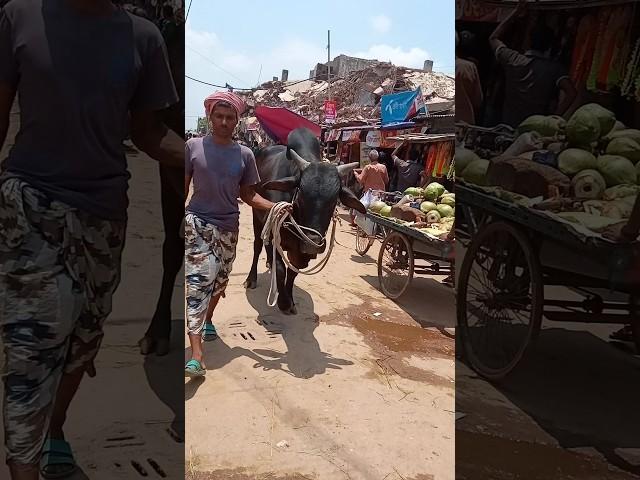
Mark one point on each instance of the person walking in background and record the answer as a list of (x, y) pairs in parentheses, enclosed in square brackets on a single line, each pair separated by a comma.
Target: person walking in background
[(372, 177)]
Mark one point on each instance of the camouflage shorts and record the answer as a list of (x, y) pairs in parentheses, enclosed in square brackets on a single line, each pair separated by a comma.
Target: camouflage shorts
[(59, 268), (209, 256)]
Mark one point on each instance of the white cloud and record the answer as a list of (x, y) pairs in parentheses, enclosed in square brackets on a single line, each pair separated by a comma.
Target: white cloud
[(218, 63), (201, 41), (380, 23), (413, 57)]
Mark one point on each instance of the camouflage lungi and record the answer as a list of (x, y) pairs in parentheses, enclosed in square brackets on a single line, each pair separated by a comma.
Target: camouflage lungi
[(209, 255), (59, 268)]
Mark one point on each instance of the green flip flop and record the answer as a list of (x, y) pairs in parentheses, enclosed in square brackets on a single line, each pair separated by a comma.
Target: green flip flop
[(57, 453), (209, 333), (193, 369)]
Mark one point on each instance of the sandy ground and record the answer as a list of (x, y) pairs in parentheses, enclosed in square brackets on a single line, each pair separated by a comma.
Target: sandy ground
[(354, 386), (122, 416)]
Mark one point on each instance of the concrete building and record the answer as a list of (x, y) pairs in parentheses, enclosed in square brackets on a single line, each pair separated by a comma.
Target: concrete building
[(341, 66)]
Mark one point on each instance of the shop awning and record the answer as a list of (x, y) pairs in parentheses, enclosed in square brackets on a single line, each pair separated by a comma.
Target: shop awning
[(278, 122)]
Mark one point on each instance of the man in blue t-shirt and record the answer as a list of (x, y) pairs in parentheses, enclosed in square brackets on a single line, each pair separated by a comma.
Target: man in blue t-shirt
[(84, 72), (219, 170)]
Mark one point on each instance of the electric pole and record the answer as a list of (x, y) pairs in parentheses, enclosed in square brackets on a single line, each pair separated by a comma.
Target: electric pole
[(329, 62)]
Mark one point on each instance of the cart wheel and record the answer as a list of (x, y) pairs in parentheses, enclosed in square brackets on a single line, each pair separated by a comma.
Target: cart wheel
[(395, 265), (500, 300), (363, 241)]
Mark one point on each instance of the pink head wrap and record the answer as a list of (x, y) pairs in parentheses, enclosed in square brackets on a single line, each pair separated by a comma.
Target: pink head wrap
[(231, 98)]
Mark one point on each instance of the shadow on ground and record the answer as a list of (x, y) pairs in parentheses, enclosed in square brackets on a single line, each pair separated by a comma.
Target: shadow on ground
[(427, 301), (159, 369), (583, 392), (304, 358)]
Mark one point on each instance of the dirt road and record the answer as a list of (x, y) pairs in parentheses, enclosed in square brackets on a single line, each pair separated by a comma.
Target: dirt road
[(354, 386)]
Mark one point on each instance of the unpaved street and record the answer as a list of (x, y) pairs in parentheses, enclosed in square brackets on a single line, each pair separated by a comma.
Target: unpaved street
[(354, 386)]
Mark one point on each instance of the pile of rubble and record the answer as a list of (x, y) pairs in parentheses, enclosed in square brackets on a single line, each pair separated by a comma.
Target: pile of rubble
[(358, 94)]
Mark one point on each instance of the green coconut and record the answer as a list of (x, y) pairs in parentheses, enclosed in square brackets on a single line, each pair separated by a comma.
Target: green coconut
[(445, 210), (574, 160), (433, 191), (464, 157), (606, 118), (583, 127), (448, 200), (616, 170), (476, 172), (377, 206), (427, 206), (385, 211), (625, 147)]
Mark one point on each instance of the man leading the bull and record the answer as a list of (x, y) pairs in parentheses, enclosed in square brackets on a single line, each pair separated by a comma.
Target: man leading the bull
[(221, 171)]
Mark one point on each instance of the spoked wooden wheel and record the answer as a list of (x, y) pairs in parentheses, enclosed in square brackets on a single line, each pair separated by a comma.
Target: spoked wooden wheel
[(363, 241), (500, 299), (395, 265)]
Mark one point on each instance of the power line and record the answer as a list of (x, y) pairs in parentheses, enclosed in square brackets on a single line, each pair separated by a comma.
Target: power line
[(188, 10), (214, 64), (219, 86)]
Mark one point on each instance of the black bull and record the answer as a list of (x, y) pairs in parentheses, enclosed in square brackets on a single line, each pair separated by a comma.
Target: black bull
[(296, 174)]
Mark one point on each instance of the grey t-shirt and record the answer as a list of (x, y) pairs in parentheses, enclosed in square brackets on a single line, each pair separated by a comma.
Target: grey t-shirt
[(218, 172), (78, 77), (408, 173)]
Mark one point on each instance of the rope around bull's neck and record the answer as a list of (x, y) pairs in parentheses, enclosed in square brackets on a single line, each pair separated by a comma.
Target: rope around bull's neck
[(271, 234)]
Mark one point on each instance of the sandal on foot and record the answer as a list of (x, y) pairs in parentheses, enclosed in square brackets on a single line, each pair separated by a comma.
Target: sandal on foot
[(209, 333), (57, 459), (193, 369)]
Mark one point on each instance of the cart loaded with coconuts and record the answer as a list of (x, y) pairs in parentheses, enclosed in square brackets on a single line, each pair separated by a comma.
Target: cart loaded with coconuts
[(415, 228), (539, 206)]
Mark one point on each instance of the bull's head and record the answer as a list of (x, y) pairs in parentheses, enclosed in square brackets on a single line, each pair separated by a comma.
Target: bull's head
[(317, 189)]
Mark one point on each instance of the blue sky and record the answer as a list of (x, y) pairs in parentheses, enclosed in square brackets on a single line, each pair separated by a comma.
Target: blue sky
[(230, 44)]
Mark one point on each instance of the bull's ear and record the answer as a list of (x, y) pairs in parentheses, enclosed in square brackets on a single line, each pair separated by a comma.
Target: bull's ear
[(282, 185), (349, 200)]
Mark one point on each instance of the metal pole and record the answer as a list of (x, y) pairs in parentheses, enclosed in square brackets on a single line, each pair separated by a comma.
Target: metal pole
[(329, 62)]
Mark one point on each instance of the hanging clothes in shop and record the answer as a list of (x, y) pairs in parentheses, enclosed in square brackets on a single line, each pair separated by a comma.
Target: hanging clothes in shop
[(601, 34), (431, 158), (443, 162), (614, 49), (631, 70), (585, 45), (438, 159)]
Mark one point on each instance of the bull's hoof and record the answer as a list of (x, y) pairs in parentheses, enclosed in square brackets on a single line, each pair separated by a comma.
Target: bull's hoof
[(250, 283), (287, 308)]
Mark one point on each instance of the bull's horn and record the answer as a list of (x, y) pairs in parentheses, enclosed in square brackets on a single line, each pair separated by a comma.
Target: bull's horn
[(344, 169), (301, 162)]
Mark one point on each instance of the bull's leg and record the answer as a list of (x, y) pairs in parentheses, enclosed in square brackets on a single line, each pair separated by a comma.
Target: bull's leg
[(252, 278), (172, 200), (285, 304), (291, 276)]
